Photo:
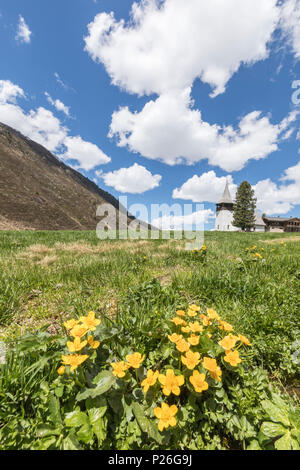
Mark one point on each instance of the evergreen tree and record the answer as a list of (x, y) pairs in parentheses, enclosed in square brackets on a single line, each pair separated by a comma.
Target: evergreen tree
[(244, 207)]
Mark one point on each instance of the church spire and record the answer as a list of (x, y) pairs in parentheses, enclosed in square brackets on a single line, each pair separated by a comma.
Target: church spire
[(226, 198)]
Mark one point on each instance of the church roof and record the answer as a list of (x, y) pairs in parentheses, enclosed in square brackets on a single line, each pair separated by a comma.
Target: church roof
[(226, 198), (258, 219), (280, 219)]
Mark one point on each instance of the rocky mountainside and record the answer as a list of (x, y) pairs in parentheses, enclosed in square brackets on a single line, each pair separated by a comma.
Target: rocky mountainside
[(40, 192)]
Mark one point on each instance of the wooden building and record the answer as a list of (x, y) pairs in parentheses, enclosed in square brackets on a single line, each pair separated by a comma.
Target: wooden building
[(281, 224)]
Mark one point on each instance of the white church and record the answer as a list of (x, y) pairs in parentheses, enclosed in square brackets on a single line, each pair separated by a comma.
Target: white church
[(224, 215)]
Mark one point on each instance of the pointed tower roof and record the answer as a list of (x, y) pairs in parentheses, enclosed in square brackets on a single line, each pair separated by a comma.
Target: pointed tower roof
[(258, 219), (226, 198)]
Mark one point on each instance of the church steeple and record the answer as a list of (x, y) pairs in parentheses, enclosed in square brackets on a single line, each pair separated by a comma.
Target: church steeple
[(224, 212), (226, 198)]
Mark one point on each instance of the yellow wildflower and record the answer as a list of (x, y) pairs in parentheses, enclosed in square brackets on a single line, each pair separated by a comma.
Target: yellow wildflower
[(150, 380), (90, 322), (233, 358), (195, 327), (174, 338), (178, 321), (198, 381), (185, 329), (193, 340), (192, 313), (61, 370), (171, 383), (205, 320), (78, 331), (94, 344), (244, 340), (70, 324), (182, 345), (191, 360), (180, 313), (194, 307), (213, 368), (203, 248), (228, 342), (135, 360), (212, 314), (119, 368), (166, 415), (225, 326), (77, 345), (74, 360)]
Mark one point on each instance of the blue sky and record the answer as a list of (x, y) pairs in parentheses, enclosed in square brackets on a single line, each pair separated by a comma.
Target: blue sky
[(163, 106)]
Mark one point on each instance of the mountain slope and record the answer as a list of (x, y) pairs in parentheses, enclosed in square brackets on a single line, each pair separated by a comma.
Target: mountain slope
[(38, 191)]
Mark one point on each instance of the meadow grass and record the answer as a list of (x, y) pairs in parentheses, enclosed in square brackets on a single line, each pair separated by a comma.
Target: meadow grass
[(47, 277), (135, 288)]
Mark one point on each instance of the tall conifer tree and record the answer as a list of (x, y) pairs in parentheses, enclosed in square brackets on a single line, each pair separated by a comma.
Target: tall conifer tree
[(244, 207)]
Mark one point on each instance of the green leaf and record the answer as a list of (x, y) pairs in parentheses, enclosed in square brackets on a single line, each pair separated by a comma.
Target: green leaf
[(59, 391), (54, 410), (145, 424), (98, 403), (45, 430), (295, 418), (115, 402), (275, 413), (85, 433), (45, 443), (76, 418), (284, 443), (95, 414), (254, 445), (104, 381), (71, 443), (96, 410), (102, 378), (295, 444), (279, 401), (273, 429), (98, 425)]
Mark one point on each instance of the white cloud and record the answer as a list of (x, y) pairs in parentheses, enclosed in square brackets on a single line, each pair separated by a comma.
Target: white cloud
[(279, 199), (168, 129), (87, 154), (164, 47), (134, 180), (43, 127), (206, 187), (23, 31), (64, 85), (60, 81), (167, 45), (290, 24), (39, 125), (59, 105), (183, 222), (10, 92), (272, 198)]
